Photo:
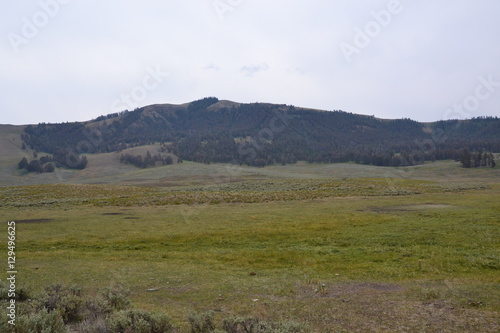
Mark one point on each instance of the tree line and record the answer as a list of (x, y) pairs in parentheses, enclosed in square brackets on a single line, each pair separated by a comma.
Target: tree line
[(477, 159), (38, 166), (259, 134), (49, 163), (146, 161)]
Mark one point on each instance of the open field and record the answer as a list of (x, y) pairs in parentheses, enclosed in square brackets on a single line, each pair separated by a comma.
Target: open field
[(418, 253)]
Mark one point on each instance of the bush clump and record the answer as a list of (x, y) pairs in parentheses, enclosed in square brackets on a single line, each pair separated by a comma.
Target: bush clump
[(41, 321), (255, 325), (59, 309), (205, 323), (68, 301), (21, 293), (139, 321), (202, 322), (116, 297)]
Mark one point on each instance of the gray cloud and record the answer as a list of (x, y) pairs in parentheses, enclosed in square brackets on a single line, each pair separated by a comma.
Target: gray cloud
[(418, 59), (250, 71), (212, 67)]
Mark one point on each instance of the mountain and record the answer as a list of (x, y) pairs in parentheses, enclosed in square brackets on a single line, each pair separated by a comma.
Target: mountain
[(258, 134)]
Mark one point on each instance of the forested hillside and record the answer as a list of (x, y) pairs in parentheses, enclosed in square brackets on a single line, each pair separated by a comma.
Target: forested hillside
[(260, 134)]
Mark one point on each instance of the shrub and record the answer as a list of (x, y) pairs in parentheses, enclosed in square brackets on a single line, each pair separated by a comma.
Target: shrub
[(202, 322), (58, 306), (244, 325), (138, 321), (93, 324), (67, 301), (21, 293), (255, 325), (42, 321), (289, 327), (116, 297), (96, 306)]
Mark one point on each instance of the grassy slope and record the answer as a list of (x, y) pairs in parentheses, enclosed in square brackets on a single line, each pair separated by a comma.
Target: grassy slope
[(415, 262), (106, 169), (10, 152)]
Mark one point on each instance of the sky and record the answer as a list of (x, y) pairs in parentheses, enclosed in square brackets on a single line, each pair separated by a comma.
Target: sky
[(74, 60)]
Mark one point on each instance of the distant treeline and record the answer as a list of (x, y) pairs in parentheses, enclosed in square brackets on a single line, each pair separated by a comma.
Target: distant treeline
[(36, 165), (477, 159), (147, 161), (264, 134), (49, 163)]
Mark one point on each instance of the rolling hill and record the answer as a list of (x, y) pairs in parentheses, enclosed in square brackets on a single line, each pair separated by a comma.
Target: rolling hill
[(214, 131)]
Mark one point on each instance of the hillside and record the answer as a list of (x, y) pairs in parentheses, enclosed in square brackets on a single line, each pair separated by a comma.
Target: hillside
[(214, 131)]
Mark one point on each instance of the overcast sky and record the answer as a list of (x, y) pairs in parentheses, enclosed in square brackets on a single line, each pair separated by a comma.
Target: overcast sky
[(72, 60)]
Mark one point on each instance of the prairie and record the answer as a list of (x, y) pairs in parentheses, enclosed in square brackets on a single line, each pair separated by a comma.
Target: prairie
[(336, 247)]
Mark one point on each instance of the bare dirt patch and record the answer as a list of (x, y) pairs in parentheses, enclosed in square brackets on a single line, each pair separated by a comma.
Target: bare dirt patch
[(409, 208)]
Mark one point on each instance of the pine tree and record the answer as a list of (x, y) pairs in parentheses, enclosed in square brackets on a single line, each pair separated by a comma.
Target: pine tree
[(49, 167), (35, 166), (23, 164), (466, 159)]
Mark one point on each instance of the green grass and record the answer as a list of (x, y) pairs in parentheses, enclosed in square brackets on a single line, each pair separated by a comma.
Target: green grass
[(340, 255), (257, 191)]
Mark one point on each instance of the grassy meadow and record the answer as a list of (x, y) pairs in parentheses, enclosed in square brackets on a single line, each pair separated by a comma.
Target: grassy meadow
[(339, 254)]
